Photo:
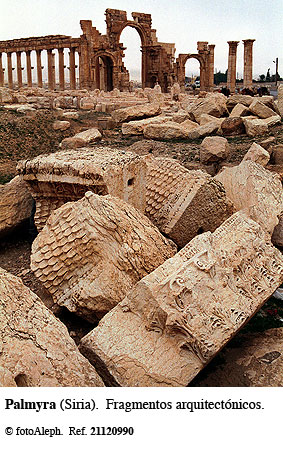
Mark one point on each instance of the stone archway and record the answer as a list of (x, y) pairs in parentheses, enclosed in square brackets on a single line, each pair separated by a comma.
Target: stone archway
[(181, 63), (103, 74), (143, 40)]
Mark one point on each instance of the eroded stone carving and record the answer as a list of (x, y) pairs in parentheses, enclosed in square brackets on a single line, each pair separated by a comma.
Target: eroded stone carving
[(36, 349), (255, 190), (67, 175), (91, 252), (181, 202), (178, 317)]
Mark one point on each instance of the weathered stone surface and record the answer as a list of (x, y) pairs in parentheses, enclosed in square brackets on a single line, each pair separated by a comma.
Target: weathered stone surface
[(255, 360), (61, 125), (261, 110), (91, 252), (73, 142), (15, 204), (26, 109), (67, 175), (239, 110), (175, 320), (167, 131), (36, 349), (232, 126), (189, 125), (5, 95), (255, 190), (233, 100), (257, 154), (206, 118), (280, 100), (71, 115), (180, 116), (213, 104), (214, 149), (277, 154), (255, 127), (136, 112), (277, 236), (273, 120), (204, 130), (90, 135), (181, 202), (137, 127)]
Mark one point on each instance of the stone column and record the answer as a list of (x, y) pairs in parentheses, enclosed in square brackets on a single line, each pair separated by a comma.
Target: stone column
[(10, 70), (29, 75), (97, 73), (19, 69), (211, 66), (39, 67), (72, 68), (1, 72), (61, 69), (50, 69), (85, 71), (248, 63), (232, 62)]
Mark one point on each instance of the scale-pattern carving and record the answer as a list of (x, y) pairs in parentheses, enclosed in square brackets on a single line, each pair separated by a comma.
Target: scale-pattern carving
[(91, 252)]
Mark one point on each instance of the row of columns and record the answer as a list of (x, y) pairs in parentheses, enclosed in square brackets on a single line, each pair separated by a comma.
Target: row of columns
[(50, 68), (248, 64)]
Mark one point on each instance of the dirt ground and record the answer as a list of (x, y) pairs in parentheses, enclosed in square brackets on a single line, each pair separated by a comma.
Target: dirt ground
[(26, 136)]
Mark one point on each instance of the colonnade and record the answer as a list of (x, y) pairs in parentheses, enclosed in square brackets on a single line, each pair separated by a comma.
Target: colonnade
[(248, 64), (51, 68)]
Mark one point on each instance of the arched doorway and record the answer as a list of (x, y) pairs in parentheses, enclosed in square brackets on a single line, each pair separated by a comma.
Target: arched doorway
[(103, 72), (138, 44), (192, 72), (132, 59)]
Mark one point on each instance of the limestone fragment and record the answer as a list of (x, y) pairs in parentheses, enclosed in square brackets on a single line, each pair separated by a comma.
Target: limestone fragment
[(15, 204), (261, 110), (255, 127), (181, 202), (36, 349), (213, 104), (254, 360), (136, 112), (258, 154), (232, 126), (255, 190), (61, 125), (176, 319), (214, 149), (67, 175), (89, 136), (91, 252), (167, 131), (239, 110), (137, 127), (233, 100)]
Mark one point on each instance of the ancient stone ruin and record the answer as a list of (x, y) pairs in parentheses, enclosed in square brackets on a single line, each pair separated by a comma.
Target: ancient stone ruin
[(99, 58)]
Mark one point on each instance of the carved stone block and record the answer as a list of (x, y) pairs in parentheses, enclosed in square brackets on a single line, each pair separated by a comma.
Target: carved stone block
[(176, 319), (91, 252), (183, 203), (255, 190), (67, 175), (36, 349)]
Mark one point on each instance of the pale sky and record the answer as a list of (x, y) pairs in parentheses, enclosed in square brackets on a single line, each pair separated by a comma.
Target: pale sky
[(180, 22)]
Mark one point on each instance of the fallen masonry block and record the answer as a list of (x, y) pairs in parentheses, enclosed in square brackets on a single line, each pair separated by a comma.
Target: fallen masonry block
[(176, 319), (213, 104), (254, 360), (36, 349), (258, 154), (255, 127), (183, 203), (67, 175), (15, 204), (261, 110), (214, 149), (255, 190), (136, 112), (137, 127), (91, 252)]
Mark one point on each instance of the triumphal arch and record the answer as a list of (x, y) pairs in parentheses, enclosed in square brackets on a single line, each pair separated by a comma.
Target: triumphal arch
[(95, 61)]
